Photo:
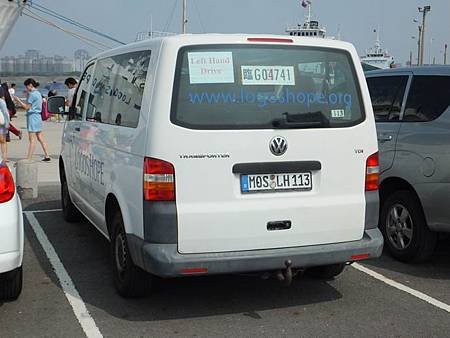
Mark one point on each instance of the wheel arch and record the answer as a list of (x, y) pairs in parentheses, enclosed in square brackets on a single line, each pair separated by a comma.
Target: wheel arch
[(393, 184), (61, 168), (111, 206)]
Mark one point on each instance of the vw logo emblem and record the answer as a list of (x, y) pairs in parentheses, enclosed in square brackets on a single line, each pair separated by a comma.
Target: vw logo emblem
[(278, 145)]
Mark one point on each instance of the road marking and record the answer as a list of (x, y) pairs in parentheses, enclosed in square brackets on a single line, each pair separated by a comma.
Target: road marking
[(78, 306), (41, 211), (399, 286)]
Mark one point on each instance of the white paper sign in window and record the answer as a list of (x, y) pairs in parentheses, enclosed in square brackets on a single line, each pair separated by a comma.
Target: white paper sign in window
[(268, 75), (211, 67)]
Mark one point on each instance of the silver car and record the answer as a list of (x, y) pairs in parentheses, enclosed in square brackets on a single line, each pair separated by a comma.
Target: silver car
[(411, 107)]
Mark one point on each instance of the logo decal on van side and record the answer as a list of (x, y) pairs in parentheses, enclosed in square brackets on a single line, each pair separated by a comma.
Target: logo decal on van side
[(89, 166)]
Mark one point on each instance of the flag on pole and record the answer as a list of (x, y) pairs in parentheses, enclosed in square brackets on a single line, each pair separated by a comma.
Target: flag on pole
[(305, 3)]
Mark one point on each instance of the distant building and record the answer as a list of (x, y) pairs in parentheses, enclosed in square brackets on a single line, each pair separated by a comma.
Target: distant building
[(81, 56), (34, 63), (32, 54), (7, 64)]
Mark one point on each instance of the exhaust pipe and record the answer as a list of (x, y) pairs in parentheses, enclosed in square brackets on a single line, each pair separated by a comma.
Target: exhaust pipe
[(285, 276)]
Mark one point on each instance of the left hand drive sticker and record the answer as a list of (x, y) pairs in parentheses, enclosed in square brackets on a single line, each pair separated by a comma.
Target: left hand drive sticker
[(211, 67)]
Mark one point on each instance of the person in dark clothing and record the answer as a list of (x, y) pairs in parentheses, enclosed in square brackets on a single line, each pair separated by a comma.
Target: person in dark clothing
[(12, 111)]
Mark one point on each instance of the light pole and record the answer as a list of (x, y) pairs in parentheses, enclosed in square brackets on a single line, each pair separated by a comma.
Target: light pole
[(445, 54), (185, 20), (424, 10), (431, 50), (418, 48), (419, 42)]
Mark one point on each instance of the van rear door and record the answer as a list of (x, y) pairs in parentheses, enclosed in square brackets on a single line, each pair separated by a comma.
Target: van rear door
[(269, 145)]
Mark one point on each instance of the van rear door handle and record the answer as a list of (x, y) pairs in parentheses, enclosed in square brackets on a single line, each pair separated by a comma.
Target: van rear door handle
[(385, 138), (279, 225)]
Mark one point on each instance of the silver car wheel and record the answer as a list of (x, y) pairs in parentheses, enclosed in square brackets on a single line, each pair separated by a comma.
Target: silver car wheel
[(399, 227)]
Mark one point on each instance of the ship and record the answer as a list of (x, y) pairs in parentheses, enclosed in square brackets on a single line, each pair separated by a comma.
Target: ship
[(378, 57), (309, 28)]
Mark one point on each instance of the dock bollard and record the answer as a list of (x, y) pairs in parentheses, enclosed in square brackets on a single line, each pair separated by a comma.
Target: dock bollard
[(27, 179)]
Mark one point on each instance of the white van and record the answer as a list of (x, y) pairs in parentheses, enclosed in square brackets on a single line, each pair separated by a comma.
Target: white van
[(213, 154)]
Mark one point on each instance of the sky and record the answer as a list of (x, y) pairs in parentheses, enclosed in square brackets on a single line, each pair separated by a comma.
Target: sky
[(123, 19)]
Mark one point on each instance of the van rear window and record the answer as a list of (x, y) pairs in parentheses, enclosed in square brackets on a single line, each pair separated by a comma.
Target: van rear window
[(265, 87)]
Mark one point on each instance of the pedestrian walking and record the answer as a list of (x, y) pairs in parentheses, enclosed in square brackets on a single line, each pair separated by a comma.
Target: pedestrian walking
[(34, 119), (4, 125)]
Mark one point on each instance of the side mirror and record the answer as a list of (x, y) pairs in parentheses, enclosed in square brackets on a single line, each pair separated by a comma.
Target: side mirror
[(56, 104)]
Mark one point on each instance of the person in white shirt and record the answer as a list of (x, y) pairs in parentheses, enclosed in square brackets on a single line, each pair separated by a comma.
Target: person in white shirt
[(72, 84), (12, 90)]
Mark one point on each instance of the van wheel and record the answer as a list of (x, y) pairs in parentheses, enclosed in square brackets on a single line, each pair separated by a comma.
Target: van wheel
[(406, 233), (70, 212), (326, 272), (11, 284), (129, 280)]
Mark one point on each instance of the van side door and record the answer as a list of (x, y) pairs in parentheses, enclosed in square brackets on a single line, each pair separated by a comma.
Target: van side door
[(388, 94), (113, 137)]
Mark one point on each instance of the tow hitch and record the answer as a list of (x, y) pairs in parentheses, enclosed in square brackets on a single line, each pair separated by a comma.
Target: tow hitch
[(285, 275)]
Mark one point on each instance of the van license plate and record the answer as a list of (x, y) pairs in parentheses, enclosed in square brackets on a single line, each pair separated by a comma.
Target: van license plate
[(276, 182)]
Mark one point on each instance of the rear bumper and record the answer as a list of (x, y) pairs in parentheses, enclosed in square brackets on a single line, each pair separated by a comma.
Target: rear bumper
[(10, 261), (11, 235), (164, 260)]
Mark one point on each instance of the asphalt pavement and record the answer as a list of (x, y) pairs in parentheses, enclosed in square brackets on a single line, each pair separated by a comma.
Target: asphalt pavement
[(68, 290)]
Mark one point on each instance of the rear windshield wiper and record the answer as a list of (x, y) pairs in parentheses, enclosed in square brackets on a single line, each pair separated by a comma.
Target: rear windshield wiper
[(301, 120)]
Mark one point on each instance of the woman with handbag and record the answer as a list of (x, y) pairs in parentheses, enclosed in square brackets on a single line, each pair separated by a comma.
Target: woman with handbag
[(34, 119)]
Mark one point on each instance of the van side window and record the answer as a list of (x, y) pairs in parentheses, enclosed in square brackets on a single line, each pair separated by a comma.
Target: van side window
[(83, 88), (387, 94), (118, 89), (428, 98), (99, 101)]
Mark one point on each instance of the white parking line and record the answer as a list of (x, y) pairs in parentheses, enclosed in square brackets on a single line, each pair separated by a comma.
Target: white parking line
[(41, 211), (404, 288), (78, 306)]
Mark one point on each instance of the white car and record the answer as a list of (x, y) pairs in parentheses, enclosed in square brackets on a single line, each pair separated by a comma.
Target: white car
[(11, 236), (213, 154)]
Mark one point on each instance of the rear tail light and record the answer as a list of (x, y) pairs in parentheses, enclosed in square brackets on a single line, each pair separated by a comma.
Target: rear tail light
[(372, 172), (7, 187), (159, 180)]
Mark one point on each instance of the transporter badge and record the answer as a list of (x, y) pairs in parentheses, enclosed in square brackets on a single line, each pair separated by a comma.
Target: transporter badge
[(278, 145)]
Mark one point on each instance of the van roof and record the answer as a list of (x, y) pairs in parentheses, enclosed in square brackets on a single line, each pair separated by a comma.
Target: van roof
[(196, 39)]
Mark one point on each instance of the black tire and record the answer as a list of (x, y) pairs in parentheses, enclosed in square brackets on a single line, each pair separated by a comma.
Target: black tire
[(11, 284), (70, 212), (129, 280), (326, 272), (406, 234)]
